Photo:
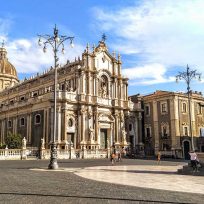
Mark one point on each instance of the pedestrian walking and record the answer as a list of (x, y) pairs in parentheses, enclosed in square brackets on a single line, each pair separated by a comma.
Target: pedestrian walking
[(119, 156), (113, 158), (158, 157)]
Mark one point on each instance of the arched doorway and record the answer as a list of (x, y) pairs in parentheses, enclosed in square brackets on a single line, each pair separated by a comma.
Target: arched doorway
[(186, 149)]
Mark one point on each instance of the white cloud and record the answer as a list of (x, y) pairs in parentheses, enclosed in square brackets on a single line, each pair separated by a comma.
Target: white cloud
[(167, 32), (28, 57), (147, 74)]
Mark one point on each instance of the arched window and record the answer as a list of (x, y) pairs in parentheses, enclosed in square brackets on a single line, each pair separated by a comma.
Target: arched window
[(22, 121), (37, 119)]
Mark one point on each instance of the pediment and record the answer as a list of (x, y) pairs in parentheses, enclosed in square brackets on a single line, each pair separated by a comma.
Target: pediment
[(105, 118)]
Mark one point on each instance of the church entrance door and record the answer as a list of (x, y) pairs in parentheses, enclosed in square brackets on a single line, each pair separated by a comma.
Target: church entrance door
[(186, 149), (103, 138)]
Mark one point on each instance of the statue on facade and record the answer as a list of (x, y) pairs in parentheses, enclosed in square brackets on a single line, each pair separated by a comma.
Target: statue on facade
[(24, 143), (91, 134), (42, 143), (104, 91), (67, 85)]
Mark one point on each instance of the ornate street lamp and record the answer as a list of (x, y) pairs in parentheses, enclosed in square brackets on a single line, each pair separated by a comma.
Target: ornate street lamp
[(187, 76), (56, 41)]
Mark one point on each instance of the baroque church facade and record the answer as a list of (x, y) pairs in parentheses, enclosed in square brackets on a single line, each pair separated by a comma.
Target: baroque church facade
[(93, 109)]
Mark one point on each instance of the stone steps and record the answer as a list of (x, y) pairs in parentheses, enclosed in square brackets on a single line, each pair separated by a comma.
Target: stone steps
[(188, 170)]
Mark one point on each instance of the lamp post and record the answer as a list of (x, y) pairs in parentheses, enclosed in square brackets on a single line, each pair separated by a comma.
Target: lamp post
[(187, 76), (55, 41)]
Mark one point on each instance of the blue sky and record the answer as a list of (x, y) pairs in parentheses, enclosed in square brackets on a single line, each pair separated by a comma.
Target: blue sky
[(156, 39)]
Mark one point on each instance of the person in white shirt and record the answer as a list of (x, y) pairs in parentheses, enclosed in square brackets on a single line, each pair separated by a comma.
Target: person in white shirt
[(194, 160)]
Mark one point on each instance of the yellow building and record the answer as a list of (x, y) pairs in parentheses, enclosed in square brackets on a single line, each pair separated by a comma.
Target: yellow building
[(167, 122)]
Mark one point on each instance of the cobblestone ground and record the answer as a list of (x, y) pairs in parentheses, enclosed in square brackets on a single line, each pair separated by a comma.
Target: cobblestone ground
[(19, 184)]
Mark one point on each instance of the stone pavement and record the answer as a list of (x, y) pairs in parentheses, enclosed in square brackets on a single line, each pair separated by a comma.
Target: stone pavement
[(96, 181)]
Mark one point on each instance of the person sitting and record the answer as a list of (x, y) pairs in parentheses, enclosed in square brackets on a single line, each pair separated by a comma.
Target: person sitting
[(194, 160)]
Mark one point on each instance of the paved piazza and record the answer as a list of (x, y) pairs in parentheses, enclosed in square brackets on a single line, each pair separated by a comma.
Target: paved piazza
[(97, 181), (157, 177)]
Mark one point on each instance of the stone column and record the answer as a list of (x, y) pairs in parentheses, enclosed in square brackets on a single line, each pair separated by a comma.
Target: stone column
[(83, 83), (64, 124), (47, 128), (15, 124), (89, 83), (83, 125), (116, 128), (96, 85), (29, 127), (96, 126), (116, 88), (2, 131), (58, 125), (44, 124), (140, 129)]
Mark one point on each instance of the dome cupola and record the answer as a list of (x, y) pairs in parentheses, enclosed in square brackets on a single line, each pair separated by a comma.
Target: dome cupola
[(8, 74)]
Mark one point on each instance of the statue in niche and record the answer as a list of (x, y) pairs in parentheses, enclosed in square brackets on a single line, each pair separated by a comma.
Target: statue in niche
[(91, 134), (68, 85), (42, 143), (103, 87)]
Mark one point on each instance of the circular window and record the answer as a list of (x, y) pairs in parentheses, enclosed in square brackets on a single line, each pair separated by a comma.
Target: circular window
[(70, 123)]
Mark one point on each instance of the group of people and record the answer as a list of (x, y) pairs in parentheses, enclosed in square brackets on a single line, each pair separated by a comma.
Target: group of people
[(116, 156)]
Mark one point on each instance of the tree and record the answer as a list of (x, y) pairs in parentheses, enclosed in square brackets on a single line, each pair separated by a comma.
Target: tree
[(13, 141)]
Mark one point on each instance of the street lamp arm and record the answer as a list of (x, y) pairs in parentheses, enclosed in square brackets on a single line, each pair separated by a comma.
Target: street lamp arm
[(63, 39)]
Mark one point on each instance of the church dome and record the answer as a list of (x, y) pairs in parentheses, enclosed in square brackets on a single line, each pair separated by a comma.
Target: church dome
[(8, 74), (5, 66)]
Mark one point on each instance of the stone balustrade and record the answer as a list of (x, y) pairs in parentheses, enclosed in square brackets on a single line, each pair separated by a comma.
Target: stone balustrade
[(18, 154), (10, 154)]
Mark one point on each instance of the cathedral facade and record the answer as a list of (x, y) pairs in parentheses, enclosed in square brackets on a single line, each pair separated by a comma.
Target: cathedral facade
[(93, 110)]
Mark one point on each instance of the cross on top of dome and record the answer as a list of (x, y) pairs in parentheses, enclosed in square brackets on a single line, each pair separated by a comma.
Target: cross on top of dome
[(3, 44), (3, 51)]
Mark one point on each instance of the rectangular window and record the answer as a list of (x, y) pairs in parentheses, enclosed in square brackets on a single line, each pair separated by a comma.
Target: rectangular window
[(22, 122), (199, 108), (148, 133), (164, 129), (184, 109), (164, 107), (147, 110)]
